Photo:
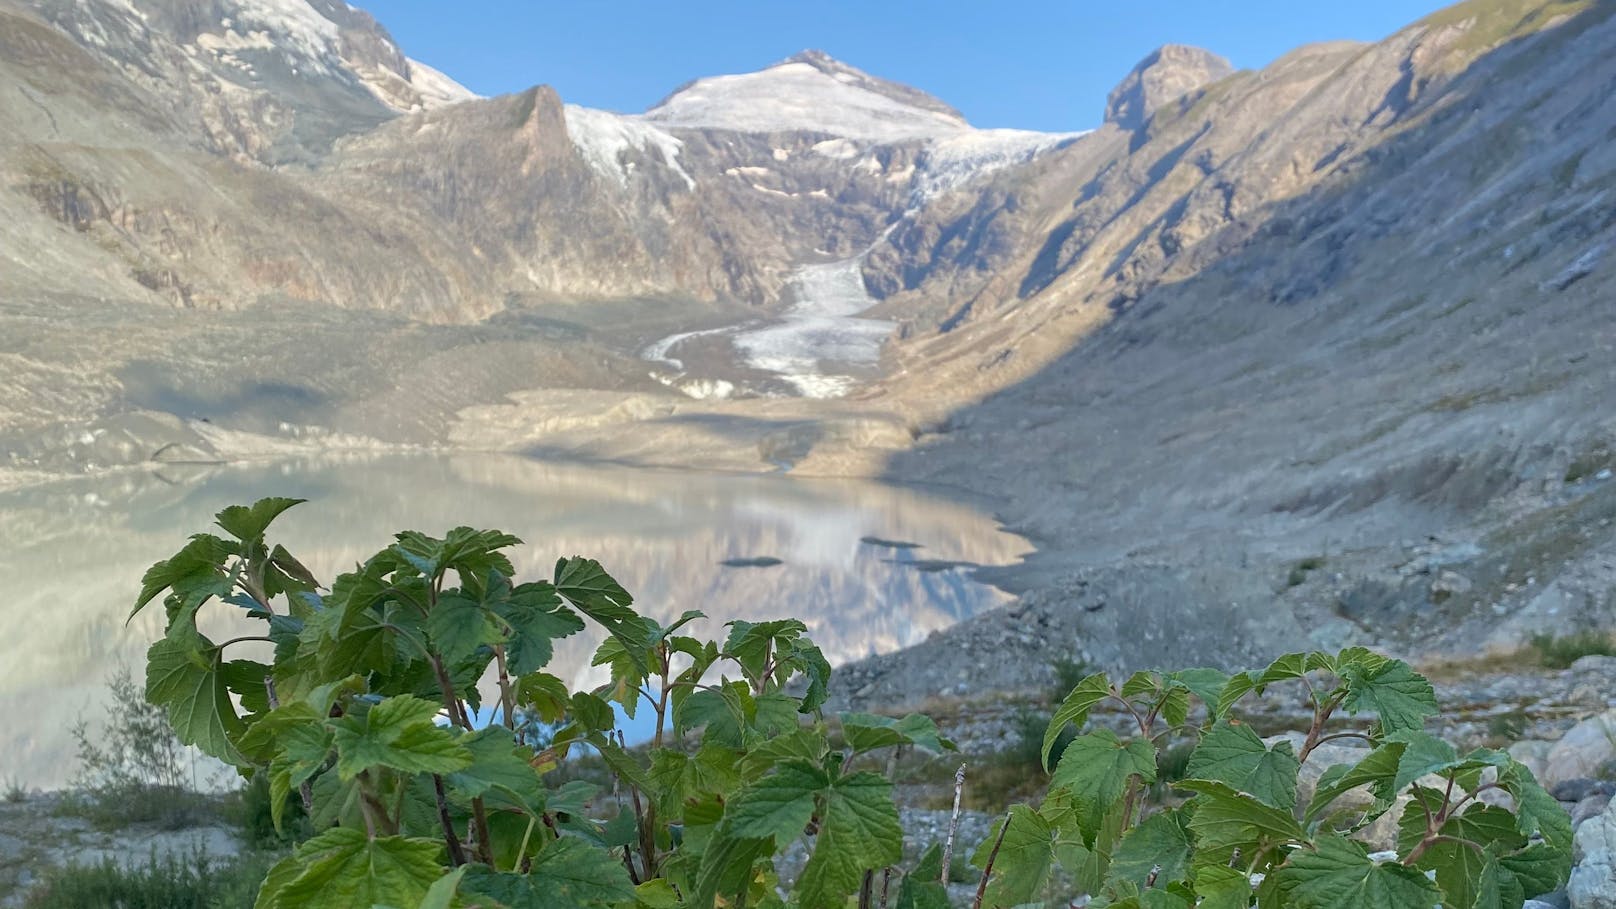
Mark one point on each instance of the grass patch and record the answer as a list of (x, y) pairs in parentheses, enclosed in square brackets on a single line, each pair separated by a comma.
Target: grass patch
[(195, 881), (16, 792), (1303, 567), (1589, 464), (1560, 651)]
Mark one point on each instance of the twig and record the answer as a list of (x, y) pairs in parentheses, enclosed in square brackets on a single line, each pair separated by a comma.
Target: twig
[(457, 855), (987, 870), (867, 891), (953, 822), (886, 882)]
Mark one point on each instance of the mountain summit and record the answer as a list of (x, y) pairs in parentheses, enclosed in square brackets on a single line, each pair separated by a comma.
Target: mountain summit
[(809, 92), (1168, 73)]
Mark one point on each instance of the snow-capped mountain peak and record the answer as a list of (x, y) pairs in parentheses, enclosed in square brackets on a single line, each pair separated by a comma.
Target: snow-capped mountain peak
[(810, 92)]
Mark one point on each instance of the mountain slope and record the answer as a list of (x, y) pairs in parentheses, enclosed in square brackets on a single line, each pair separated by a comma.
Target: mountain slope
[(1322, 312)]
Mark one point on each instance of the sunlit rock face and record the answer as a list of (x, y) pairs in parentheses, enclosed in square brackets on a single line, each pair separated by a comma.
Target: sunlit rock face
[(71, 556)]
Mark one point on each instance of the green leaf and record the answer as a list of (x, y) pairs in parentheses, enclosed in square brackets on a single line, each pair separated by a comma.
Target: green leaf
[(1423, 753), (1024, 859), (778, 805), (500, 769), (246, 523), (1458, 866), (472, 553), (1536, 811), (342, 869), (1231, 753), (185, 678), (1074, 710), (858, 832), (1096, 768), (1222, 887), (724, 712), (545, 695), (923, 887), (566, 874), (1337, 873), (1159, 846), (399, 733), (1377, 770), (1493, 888), (1206, 684), (593, 592), (198, 563), (807, 743), (867, 732), (536, 618), (303, 745), (459, 627), (1401, 697), (1225, 821), (442, 892), (677, 777), (1540, 867)]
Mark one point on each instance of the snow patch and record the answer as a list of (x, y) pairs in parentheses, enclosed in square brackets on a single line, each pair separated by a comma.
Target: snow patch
[(953, 161), (435, 88), (839, 149), (602, 137)]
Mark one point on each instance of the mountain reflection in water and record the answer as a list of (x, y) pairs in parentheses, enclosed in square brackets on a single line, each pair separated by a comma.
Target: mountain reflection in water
[(72, 553)]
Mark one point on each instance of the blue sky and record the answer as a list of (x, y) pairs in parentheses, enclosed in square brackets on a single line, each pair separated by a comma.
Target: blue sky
[(1040, 64)]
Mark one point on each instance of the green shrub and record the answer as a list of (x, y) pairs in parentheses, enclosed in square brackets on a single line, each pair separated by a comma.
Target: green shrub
[(1560, 651), (15, 791), (193, 881), (1299, 571), (375, 686), (1068, 672)]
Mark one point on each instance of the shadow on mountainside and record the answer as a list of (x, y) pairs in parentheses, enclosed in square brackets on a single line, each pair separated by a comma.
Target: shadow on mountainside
[(1390, 373)]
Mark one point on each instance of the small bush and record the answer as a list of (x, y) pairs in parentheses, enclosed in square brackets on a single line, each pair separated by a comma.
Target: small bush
[(134, 769), (1507, 727), (1068, 672), (1560, 651), (15, 791), (195, 881), (1299, 571), (255, 815), (1028, 727)]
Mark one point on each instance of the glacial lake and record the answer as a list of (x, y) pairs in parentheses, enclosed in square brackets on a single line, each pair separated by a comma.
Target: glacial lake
[(72, 553)]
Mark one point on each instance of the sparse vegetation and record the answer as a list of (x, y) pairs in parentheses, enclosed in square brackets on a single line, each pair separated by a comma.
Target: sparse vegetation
[(15, 791), (191, 881), (133, 768), (1560, 651), (1589, 464)]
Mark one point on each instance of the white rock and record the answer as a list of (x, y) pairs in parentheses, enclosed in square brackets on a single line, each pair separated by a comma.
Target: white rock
[(1593, 877), (1584, 749)]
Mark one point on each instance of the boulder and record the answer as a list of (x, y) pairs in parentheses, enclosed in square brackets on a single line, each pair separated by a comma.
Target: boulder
[(1593, 877), (1533, 753), (1583, 751)]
